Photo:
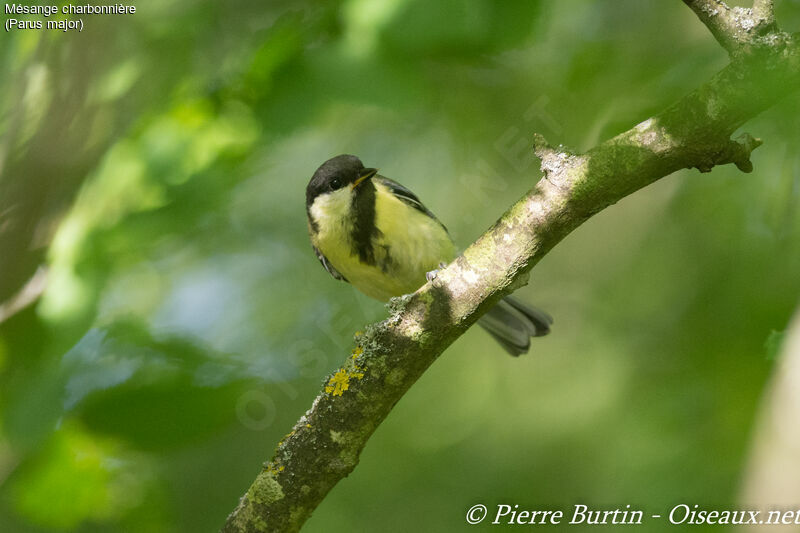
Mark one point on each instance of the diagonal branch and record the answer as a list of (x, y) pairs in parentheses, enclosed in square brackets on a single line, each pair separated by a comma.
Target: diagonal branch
[(325, 444), (736, 28), (764, 11), (26, 296), (720, 21)]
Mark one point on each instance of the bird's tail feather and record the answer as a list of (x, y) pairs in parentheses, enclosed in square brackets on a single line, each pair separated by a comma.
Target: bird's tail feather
[(513, 323)]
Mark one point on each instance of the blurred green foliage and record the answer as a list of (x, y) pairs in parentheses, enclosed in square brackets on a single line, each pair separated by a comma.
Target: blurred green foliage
[(186, 324)]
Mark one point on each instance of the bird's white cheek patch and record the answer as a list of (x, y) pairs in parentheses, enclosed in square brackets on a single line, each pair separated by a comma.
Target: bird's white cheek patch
[(332, 206)]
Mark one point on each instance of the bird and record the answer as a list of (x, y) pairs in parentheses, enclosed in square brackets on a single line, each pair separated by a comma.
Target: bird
[(375, 234)]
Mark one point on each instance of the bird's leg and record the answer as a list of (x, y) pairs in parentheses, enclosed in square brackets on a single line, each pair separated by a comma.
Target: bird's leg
[(430, 276)]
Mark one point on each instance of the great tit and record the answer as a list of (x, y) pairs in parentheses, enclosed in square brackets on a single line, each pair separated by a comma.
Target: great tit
[(375, 234)]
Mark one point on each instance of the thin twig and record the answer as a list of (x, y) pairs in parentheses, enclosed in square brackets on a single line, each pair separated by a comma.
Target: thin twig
[(29, 293), (764, 11), (738, 29), (718, 17)]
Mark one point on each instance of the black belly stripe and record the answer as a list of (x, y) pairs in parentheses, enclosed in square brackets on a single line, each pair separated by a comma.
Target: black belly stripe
[(388, 262), (364, 229)]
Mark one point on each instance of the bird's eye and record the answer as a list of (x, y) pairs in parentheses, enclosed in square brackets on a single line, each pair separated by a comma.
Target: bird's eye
[(335, 184)]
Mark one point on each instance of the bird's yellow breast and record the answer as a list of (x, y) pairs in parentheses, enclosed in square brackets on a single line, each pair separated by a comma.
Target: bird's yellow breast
[(408, 243)]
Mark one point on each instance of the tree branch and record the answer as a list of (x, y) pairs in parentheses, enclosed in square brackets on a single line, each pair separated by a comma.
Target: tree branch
[(739, 27), (719, 18), (26, 296), (764, 11), (325, 444)]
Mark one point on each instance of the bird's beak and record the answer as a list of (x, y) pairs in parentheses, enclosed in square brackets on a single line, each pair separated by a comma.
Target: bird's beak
[(365, 175)]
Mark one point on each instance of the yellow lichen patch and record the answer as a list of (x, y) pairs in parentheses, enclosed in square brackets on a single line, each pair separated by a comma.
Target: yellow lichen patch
[(340, 381), (272, 468), (286, 437), (358, 350)]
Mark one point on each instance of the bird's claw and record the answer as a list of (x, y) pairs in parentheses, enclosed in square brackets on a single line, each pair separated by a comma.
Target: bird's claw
[(430, 276)]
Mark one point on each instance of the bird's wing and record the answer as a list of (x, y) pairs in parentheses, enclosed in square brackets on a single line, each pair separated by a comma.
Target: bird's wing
[(328, 266), (405, 195)]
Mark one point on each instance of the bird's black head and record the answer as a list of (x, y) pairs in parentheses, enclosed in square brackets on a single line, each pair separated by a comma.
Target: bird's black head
[(336, 173)]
